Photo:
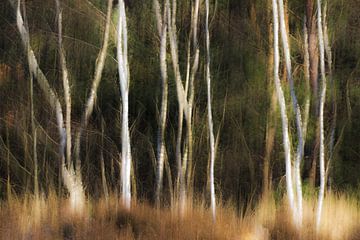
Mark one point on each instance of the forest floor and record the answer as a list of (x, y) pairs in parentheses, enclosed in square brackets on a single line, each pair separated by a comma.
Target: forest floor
[(51, 218)]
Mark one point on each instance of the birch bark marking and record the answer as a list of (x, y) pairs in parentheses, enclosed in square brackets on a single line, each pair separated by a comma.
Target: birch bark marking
[(161, 150)]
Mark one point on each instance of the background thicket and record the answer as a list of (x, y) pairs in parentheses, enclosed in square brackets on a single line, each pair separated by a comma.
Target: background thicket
[(241, 96)]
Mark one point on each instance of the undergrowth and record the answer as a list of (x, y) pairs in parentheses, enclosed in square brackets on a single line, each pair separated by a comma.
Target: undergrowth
[(50, 218)]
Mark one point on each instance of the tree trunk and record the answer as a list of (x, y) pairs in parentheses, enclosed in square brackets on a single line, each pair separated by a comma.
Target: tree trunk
[(296, 107), (161, 150), (123, 68), (210, 120), (284, 118), (73, 181), (321, 117), (90, 103)]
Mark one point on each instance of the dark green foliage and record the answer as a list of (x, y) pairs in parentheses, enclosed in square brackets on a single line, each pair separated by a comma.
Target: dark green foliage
[(239, 41)]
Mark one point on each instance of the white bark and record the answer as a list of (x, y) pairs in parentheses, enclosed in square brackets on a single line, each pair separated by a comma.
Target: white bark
[(321, 117), (66, 85), (90, 103), (210, 120), (296, 107), (162, 29), (183, 103), (182, 100), (72, 184), (123, 68), (185, 100), (72, 178), (188, 163), (284, 118), (41, 78)]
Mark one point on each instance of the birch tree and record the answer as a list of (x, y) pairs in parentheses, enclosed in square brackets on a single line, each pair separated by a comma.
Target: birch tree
[(185, 101), (124, 78), (284, 117), (91, 100), (210, 120), (51, 97), (161, 150), (297, 110), (321, 116), (71, 174), (72, 177)]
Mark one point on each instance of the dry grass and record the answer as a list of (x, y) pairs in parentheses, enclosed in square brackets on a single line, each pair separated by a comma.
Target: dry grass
[(51, 218)]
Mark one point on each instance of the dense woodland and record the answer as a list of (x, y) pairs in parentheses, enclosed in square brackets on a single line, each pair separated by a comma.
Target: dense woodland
[(185, 140)]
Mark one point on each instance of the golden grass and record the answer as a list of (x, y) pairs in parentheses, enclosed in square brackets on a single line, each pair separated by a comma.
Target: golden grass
[(51, 218)]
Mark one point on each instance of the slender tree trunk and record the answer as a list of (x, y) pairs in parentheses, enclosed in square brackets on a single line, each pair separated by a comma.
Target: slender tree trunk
[(41, 78), (73, 177), (66, 85), (184, 108), (321, 117), (161, 150), (123, 68), (194, 69), (189, 163), (299, 128), (210, 120), (90, 103), (284, 118)]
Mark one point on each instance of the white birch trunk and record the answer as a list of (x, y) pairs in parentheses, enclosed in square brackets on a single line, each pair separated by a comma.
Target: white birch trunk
[(182, 102), (210, 120), (70, 182), (284, 118), (299, 151), (194, 69), (72, 178), (123, 68), (99, 67), (162, 29), (321, 117), (66, 85)]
